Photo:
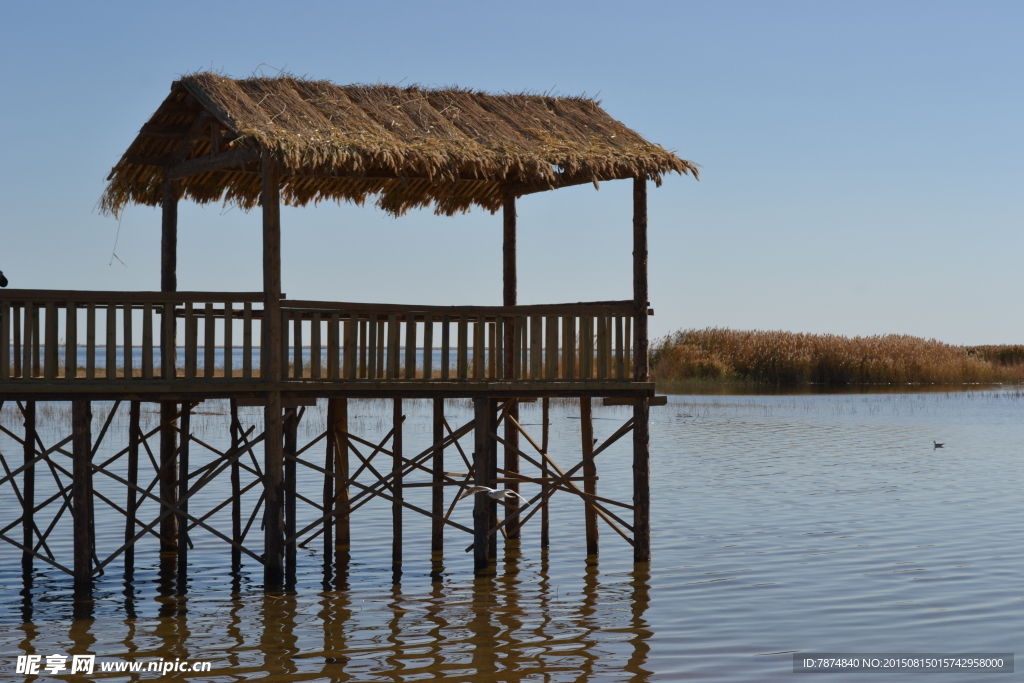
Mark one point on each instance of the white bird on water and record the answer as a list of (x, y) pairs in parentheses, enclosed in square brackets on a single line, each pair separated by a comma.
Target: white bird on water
[(492, 493), (937, 444)]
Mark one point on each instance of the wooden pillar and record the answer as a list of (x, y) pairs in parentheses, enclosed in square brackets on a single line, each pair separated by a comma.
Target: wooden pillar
[(81, 491), (337, 410), (641, 373), (510, 297), (492, 475), (271, 368), (131, 506), (437, 492), (236, 491), (396, 480), (291, 446), (28, 488), (589, 474), (168, 351), (545, 539), (481, 513), (183, 466)]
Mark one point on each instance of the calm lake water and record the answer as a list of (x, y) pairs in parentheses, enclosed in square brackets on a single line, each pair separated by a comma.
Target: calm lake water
[(781, 524)]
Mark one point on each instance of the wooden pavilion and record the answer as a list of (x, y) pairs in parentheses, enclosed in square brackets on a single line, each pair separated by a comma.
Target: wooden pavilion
[(267, 141)]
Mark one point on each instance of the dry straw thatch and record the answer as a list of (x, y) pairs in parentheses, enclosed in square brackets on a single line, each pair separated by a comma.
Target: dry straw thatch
[(409, 147)]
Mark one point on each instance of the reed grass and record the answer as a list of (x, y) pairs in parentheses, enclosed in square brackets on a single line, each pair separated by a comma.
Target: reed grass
[(793, 359)]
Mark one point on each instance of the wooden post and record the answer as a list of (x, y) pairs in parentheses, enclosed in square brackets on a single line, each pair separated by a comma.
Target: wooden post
[(291, 446), (236, 492), (337, 409), (492, 475), (168, 353), (641, 411), (544, 472), (510, 298), (481, 511), (28, 489), (183, 465), (589, 473), (131, 507), (396, 479), (271, 365), (81, 491), (437, 492)]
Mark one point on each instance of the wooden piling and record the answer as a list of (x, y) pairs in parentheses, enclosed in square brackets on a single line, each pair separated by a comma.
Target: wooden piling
[(510, 297), (291, 446), (168, 353), (131, 506), (168, 476), (236, 492), (28, 487), (589, 474), (544, 472), (481, 511), (81, 491), (397, 496), (272, 370), (437, 492), (641, 411), (337, 409), (492, 476), (183, 467)]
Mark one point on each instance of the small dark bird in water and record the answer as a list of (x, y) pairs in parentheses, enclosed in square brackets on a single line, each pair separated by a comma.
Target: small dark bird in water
[(937, 444)]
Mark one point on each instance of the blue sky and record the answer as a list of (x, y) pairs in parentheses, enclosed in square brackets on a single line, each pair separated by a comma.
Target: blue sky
[(861, 162)]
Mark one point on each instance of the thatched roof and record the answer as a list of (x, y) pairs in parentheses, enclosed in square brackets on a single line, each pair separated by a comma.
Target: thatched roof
[(409, 147)]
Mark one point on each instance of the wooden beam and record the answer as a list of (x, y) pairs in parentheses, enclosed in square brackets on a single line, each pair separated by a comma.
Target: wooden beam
[(164, 131), (481, 516), (437, 493), (630, 401), (214, 162)]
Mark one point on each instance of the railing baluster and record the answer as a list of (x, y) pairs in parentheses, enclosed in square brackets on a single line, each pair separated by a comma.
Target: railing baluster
[(16, 343), (569, 344), (517, 351), (536, 330), (229, 340), (499, 347), (627, 346), (461, 355), (191, 341), (479, 349), (147, 341), (428, 347), (126, 347), (381, 345), (334, 329), (36, 342), (446, 361), (298, 370), (551, 330), (50, 350), (27, 342), (90, 341), (410, 345), (247, 341), (394, 340), (110, 345), (353, 326), (169, 341), (364, 344), (371, 346), (314, 346), (602, 342), (70, 340), (5, 340), (587, 347), (620, 368), (492, 350)]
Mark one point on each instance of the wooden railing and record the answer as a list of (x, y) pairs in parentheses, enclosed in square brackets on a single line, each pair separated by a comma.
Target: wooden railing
[(62, 335)]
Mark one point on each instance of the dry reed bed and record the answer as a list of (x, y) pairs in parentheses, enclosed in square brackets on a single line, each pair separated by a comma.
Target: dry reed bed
[(789, 359)]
